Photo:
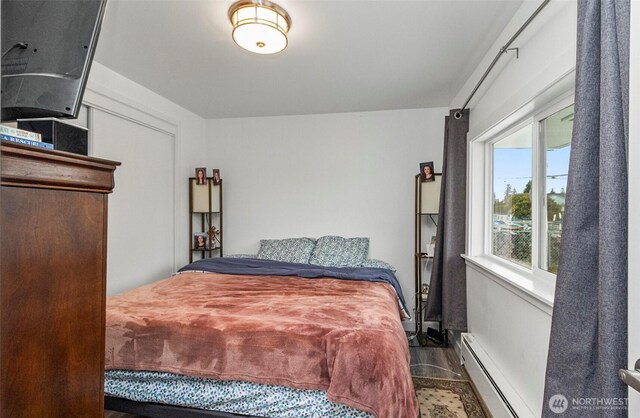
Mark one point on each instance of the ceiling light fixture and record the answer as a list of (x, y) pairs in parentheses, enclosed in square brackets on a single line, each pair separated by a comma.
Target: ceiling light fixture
[(259, 26)]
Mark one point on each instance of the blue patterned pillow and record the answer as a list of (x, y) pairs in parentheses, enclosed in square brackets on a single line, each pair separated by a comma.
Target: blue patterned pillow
[(379, 264), (290, 250), (336, 251)]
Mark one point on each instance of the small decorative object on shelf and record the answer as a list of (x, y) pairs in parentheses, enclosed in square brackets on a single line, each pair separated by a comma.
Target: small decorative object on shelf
[(205, 209), (214, 237), (424, 292)]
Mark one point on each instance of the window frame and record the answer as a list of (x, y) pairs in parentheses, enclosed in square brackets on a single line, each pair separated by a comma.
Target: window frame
[(490, 190), (542, 171), (536, 284)]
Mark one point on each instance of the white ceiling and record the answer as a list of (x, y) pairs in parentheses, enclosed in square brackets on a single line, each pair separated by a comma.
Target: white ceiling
[(343, 56)]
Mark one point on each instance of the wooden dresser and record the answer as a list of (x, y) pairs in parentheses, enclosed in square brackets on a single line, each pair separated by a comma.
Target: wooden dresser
[(53, 232)]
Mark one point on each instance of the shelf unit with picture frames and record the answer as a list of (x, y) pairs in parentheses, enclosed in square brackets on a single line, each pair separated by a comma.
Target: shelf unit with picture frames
[(205, 219), (427, 201)]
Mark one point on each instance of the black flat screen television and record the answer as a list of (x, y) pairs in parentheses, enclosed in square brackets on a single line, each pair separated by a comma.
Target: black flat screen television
[(47, 50)]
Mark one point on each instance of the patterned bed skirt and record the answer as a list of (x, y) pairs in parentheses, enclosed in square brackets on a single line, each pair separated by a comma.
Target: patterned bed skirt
[(226, 396)]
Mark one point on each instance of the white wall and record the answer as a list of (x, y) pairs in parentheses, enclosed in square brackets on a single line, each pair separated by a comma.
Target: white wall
[(349, 174), (117, 96), (547, 50), (512, 330)]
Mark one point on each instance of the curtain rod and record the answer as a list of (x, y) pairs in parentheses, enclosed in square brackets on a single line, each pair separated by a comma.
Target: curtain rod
[(503, 50)]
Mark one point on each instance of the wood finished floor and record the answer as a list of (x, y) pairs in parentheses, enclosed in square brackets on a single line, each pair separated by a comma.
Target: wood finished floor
[(431, 361), (437, 362)]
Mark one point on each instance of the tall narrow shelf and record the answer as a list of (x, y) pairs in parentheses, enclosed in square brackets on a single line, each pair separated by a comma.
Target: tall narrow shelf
[(205, 214), (427, 201)]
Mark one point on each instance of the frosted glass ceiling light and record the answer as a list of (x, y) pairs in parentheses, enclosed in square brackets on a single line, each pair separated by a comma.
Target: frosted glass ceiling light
[(259, 26)]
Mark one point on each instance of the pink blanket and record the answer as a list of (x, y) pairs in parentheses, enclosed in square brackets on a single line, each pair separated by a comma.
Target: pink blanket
[(344, 337)]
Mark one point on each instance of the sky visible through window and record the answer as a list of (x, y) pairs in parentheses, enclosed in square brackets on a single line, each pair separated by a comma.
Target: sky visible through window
[(513, 166), (557, 168)]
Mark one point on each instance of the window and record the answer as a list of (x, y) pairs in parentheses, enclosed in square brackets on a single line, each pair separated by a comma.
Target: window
[(528, 167), (555, 134), (511, 223)]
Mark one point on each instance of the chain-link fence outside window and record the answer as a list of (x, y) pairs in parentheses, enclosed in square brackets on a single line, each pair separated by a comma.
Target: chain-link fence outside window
[(515, 246)]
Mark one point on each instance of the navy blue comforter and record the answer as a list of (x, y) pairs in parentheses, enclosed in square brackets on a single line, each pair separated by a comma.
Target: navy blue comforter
[(254, 266)]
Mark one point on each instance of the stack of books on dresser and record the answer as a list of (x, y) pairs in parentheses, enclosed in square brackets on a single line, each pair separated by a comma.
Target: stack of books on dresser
[(20, 136)]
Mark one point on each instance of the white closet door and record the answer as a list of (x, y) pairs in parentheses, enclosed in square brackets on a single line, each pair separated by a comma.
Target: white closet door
[(141, 210)]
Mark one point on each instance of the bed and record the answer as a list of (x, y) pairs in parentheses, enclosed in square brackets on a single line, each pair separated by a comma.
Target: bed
[(230, 337)]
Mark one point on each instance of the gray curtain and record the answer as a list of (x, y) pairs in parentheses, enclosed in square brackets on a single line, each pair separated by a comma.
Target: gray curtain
[(447, 300), (589, 327)]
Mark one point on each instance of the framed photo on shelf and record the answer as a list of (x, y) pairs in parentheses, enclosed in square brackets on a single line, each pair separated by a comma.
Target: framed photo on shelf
[(201, 176), (200, 241), (216, 176), (426, 172)]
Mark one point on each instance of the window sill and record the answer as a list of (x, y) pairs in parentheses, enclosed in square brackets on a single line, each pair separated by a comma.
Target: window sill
[(535, 290)]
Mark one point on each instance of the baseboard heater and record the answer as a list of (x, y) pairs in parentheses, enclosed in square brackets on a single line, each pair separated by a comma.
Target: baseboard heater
[(499, 396)]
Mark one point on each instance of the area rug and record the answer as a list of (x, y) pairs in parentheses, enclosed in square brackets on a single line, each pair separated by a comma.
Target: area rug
[(441, 398)]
